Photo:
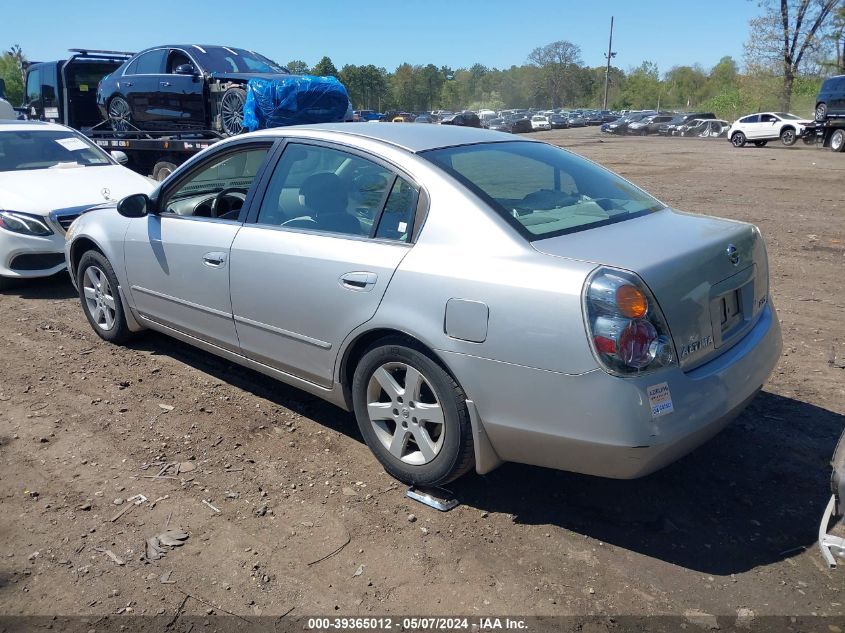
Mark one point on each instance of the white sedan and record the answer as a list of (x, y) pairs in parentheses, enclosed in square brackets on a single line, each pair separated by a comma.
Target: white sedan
[(540, 122), (49, 175), (763, 127)]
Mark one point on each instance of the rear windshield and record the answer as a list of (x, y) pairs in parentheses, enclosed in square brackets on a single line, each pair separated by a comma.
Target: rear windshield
[(541, 189), (22, 150)]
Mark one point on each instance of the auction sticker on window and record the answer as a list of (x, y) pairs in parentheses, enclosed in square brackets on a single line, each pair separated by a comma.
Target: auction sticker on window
[(660, 399), (72, 144)]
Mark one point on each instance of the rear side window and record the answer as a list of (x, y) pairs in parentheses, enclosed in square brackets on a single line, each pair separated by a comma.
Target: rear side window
[(754, 118), (151, 63), (398, 214), (132, 68)]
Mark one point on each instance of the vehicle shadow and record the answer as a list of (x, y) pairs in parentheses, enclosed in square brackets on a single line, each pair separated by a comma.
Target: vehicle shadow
[(56, 287), (751, 496)]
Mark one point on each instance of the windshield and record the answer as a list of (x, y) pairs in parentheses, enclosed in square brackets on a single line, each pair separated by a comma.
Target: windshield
[(541, 189), (223, 59), (787, 116), (21, 150)]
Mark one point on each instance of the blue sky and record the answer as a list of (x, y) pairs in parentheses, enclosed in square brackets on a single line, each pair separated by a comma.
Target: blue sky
[(495, 33)]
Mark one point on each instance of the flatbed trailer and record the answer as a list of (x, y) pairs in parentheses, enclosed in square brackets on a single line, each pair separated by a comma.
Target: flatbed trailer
[(154, 154), (64, 91)]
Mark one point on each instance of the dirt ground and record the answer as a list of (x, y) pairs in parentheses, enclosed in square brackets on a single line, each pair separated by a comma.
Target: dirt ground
[(308, 521)]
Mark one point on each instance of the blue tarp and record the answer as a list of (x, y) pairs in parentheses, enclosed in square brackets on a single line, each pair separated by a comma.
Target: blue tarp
[(294, 100)]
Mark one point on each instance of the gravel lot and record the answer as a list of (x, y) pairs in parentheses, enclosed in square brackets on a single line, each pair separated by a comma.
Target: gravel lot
[(728, 530)]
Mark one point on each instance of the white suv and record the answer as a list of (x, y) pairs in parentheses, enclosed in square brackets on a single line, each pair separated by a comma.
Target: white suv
[(763, 127)]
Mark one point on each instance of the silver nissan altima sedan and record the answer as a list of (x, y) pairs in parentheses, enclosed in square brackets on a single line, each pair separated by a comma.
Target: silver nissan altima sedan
[(472, 297)]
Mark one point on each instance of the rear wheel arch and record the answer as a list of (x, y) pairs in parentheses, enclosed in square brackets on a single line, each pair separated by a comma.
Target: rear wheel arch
[(365, 341)]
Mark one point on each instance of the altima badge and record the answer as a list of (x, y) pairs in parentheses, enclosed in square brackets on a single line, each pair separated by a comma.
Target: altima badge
[(733, 254)]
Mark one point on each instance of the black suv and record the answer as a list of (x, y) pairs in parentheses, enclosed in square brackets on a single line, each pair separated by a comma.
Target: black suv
[(831, 99)]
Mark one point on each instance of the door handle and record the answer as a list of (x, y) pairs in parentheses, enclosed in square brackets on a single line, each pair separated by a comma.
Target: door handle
[(214, 260), (164, 83), (361, 281), (128, 83)]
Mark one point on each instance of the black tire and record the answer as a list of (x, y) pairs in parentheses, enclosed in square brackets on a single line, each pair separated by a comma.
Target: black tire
[(455, 455), (163, 169), (760, 143), (821, 112), (120, 114), (119, 331), (788, 136), (738, 139), (232, 111), (837, 141)]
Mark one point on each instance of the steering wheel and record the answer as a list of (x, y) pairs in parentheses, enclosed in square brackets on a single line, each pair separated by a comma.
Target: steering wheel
[(228, 191)]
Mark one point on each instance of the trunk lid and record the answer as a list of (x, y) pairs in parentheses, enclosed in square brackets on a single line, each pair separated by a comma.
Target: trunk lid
[(709, 275)]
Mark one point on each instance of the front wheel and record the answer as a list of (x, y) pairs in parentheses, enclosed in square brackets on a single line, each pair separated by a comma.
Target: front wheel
[(232, 111), (738, 139), (788, 137), (98, 292), (412, 414), (837, 141)]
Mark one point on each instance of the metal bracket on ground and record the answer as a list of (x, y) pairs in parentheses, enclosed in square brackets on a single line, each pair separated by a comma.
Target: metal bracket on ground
[(437, 498)]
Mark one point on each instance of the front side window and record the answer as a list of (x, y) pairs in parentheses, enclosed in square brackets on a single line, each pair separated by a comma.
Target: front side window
[(219, 188), (543, 190), (33, 86), (325, 189)]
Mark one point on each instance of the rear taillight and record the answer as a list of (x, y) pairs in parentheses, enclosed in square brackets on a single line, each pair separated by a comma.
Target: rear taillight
[(627, 330)]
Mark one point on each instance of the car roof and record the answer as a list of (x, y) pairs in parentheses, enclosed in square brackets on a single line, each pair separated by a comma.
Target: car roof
[(7, 125), (413, 138)]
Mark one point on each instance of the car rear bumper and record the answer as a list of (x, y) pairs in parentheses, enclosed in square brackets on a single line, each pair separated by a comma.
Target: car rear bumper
[(28, 256), (599, 424)]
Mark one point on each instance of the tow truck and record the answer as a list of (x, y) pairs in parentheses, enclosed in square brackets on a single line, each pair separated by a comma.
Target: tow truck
[(65, 91), (829, 133)]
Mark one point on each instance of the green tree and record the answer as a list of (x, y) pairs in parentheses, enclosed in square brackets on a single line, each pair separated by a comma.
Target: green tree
[(685, 86), (557, 61), (783, 38), (642, 87), (298, 67), (324, 68), (10, 74)]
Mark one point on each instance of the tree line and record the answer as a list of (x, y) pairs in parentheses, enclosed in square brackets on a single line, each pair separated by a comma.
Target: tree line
[(790, 47)]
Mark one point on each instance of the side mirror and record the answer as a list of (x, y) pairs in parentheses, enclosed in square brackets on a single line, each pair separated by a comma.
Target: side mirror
[(185, 69), (135, 206), (119, 156)]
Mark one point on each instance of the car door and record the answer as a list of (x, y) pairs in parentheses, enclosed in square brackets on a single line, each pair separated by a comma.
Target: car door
[(182, 95), (315, 260), (751, 126), (177, 259), (142, 88)]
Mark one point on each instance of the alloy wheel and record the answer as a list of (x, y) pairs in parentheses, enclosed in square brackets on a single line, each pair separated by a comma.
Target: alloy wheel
[(405, 413), (99, 298), (120, 115), (232, 112), (788, 137)]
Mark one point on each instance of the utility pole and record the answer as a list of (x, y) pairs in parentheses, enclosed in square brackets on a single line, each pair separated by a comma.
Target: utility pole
[(610, 55)]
